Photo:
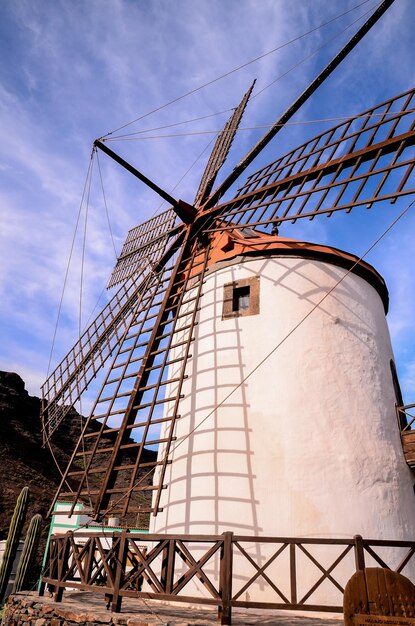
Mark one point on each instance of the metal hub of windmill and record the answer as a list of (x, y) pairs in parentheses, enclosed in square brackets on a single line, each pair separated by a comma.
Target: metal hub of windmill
[(144, 335)]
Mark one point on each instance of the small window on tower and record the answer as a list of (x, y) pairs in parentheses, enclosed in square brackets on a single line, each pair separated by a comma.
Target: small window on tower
[(241, 298)]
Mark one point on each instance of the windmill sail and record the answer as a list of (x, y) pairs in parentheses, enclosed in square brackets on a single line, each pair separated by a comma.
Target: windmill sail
[(139, 383), (221, 149), (366, 159), (296, 105), (71, 377), (145, 243)]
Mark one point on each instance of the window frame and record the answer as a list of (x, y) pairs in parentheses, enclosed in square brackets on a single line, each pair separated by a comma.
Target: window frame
[(229, 290)]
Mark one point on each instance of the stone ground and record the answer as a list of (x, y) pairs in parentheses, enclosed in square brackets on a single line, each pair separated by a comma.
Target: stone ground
[(85, 607)]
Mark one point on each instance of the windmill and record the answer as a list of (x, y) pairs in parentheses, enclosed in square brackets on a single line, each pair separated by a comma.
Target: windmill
[(150, 335)]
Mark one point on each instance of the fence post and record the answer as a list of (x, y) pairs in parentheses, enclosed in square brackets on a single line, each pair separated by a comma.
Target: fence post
[(62, 566), (225, 579), (167, 566), (120, 571), (359, 553), (293, 574), (89, 564)]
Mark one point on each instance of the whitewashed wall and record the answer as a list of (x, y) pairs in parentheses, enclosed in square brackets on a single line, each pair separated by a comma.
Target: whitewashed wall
[(309, 444)]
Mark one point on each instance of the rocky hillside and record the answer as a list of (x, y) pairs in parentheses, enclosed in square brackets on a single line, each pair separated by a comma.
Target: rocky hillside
[(23, 459)]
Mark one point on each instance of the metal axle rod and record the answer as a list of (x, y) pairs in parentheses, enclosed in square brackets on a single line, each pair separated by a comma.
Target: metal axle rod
[(185, 211)]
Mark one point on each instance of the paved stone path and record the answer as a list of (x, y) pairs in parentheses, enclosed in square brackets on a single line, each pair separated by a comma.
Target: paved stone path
[(138, 612)]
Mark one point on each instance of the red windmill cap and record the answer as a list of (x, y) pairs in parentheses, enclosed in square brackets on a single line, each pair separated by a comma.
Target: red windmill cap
[(242, 242)]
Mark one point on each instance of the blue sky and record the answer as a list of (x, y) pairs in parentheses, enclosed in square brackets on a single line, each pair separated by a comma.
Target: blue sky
[(71, 71)]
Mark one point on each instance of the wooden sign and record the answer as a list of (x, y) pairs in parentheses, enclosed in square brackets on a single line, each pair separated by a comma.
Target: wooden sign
[(379, 597)]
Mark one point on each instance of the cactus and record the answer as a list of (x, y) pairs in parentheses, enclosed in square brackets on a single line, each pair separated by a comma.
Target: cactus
[(31, 543), (13, 540)]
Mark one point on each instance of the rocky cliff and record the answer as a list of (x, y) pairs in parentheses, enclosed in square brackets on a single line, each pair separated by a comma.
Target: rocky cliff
[(23, 460)]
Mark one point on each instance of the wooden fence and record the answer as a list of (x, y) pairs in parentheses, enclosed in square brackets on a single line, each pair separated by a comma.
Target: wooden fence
[(198, 569), (406, 421)]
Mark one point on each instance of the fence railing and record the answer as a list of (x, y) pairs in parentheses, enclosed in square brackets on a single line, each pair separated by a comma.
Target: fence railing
[(206, 569), (406, 417), (406, 421)]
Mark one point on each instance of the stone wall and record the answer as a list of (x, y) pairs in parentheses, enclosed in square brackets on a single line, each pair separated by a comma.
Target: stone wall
[(28, 609)]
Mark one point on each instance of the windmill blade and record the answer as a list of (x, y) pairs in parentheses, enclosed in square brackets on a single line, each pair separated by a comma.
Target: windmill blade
[(145, 377), (221, 149), (71, 378), (144, 244), (313, 86), (364, 160)]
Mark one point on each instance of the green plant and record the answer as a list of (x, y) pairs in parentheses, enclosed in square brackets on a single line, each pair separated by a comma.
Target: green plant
[(13, 540), (28, 553)]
